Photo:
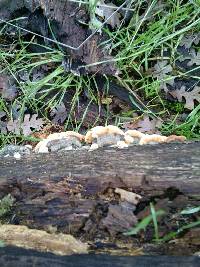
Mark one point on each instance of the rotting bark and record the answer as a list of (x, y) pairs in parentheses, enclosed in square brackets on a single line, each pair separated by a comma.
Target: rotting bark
[(64, 17), (75, 191), (19, 257)]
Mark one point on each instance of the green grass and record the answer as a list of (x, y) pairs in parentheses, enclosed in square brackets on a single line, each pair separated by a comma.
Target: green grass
[(153, 217), (146, 221), (135, 48)]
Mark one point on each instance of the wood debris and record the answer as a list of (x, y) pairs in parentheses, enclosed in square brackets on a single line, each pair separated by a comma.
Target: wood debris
[(60, 244), (128, 196)]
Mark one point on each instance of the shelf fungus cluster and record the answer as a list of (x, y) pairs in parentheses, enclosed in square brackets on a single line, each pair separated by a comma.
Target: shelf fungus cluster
[(101, 136), (60, 141)]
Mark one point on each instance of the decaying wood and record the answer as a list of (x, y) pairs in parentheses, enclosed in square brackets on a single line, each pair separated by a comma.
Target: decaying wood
[(59, 244), (65, 18), (18, 257), (76, 191)]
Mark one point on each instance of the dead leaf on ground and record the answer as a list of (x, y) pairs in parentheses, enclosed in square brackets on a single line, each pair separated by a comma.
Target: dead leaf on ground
[(27, 126), (145, 125), (30, 123), (35, 75), (162, 69), (14, 126), (8, 89), (59, 114), (189, 39), (163, 84), (89, 114), (149, 125), (105, 12), (162, 72), (194, 58), (189, 96)]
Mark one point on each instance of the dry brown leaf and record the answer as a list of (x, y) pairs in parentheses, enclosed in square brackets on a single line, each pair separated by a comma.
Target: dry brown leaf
[(144, 125), (189, 39), (105, 12), (189, 96), (148, 125), (194, 58), (162, 70), (14, 126), (59, 113), (30, 123), (26, 126), (8, 89)]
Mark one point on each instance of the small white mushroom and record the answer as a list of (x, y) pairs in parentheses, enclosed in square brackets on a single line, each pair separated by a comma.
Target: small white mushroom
[(17, 155), (122, 144)]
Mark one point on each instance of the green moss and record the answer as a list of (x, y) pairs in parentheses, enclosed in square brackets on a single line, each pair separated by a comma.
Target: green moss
[(6, 205), (176, 107)]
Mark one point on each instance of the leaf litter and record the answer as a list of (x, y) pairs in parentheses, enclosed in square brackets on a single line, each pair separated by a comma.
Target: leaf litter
[(29, 124), (8, 89), (144, 125), (189, 39), (189, 96), (59, 113)]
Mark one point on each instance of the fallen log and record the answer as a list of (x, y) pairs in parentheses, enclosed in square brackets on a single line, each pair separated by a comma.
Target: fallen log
[(77, 191), (18, 257), (149, 170)]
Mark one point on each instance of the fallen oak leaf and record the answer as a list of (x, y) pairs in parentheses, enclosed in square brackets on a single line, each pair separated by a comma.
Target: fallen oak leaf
[(161, 72), (189, 39), (145, 125), (189, 96), (105, 12), (148, 125), (59, 113), (8, 89), (26, 126), (14, 126), (31, 122), (194, 58), (162, 69)]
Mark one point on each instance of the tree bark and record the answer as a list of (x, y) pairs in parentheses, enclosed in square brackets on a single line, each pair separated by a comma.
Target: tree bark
[(18, 257), (148, 170), (66, 189), (66, 19)]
